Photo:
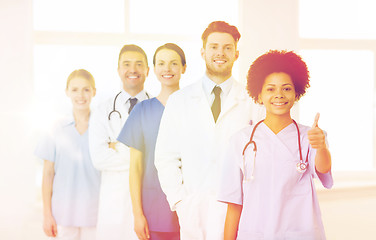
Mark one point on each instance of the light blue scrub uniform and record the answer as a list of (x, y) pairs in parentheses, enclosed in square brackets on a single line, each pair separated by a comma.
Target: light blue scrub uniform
[(140, 132), (76, 182)]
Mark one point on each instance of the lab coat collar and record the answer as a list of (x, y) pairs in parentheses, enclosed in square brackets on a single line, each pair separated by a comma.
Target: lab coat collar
[(237, 94)]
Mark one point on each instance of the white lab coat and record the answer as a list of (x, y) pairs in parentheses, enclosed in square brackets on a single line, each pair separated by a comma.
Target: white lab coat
[(187, 157), (115, 218)]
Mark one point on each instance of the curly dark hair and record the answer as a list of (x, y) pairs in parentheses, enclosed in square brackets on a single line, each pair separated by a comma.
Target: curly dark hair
[(275, 61)]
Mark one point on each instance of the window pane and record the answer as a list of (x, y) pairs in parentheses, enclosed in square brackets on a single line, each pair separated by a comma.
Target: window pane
[(347, 19), (342, 86), (179, 17), (79, 15), (53, 64)]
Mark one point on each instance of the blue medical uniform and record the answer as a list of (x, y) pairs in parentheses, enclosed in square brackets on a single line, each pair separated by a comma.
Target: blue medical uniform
[(140, 132), (75, 193)]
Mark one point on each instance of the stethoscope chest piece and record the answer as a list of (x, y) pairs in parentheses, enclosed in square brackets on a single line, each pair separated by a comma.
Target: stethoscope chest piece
[(301, 167)]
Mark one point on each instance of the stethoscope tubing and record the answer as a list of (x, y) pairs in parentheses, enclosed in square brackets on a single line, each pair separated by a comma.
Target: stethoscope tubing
[(114, 104), (301, 165)]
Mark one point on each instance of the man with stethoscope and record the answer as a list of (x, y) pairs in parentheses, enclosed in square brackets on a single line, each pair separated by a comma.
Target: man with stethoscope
[(115, 220)]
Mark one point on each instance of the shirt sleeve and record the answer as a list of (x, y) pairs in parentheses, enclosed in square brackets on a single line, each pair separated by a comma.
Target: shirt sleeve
[(46, 147), (231, 187), (103, 157), (326, 179), (132, 132)]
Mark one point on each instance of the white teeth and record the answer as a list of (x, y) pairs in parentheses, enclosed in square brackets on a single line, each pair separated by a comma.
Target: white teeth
[(167, 76), (132, 77), (279, 104), (219, 61)]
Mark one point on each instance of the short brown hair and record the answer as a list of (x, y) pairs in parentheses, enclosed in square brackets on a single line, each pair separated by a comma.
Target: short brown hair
[(223, 27), (133, 48)]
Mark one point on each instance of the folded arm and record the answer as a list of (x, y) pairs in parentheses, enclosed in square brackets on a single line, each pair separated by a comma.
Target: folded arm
[(106, 154)]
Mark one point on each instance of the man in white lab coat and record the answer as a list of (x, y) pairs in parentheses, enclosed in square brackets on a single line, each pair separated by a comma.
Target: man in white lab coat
[(196, 124), (115, 219)]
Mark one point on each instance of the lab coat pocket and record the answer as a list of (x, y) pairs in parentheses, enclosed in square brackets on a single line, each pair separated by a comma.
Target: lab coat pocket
[(245, 235)]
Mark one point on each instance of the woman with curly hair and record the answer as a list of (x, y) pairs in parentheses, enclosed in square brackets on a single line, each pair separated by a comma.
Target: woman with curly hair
[(269, 167)]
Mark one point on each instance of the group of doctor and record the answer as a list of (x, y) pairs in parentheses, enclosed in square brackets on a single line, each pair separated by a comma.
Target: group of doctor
[(142, 167)]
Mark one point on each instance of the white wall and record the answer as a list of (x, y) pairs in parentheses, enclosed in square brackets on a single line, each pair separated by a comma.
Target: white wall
[(17, 185)]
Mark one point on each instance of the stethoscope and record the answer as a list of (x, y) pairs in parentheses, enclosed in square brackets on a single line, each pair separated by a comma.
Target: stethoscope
[(301, 166), (114, 109)]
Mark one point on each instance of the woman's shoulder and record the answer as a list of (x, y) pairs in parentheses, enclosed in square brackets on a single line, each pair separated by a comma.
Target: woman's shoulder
[(147, 104), (242, 134)]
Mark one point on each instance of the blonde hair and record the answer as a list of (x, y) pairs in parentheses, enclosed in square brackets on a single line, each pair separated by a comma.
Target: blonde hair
[(83, 74)]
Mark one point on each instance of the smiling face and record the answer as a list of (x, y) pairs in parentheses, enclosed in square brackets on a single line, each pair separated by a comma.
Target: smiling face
[(133, 70), (278, 94), (168, 67), (80, 91), (219, 54)]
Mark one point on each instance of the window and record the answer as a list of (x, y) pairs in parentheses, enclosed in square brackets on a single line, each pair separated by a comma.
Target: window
[(340, 52), (338, 19), (79, 16), (89, 34), (342, 90), (179, 17), (75, 34)]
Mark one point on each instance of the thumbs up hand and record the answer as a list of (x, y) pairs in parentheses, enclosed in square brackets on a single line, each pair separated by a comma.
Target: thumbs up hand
[(316, 136)]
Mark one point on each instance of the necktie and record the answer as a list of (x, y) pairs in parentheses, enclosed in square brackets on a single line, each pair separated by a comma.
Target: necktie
[(132, 102), (216, 107)]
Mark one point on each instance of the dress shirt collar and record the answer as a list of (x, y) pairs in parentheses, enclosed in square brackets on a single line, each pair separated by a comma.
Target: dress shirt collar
[(208, 86), (124, 97)]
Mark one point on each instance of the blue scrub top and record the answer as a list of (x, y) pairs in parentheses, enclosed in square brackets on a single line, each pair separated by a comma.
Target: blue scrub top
[(75, 190), (140, 132)]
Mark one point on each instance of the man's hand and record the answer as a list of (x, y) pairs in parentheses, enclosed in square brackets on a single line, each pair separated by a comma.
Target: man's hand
[(112, 145)]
